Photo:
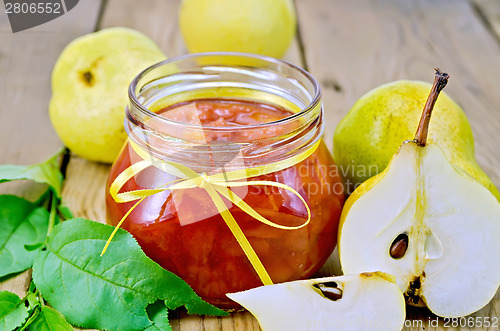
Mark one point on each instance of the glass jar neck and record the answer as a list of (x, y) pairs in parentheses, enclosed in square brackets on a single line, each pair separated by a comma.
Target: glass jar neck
[(224, 76)]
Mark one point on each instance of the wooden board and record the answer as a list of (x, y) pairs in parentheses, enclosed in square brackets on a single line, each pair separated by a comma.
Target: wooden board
[(349, 46), (488, 11)]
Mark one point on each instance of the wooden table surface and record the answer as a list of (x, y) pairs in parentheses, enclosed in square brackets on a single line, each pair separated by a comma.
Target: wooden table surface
[(349, 46)]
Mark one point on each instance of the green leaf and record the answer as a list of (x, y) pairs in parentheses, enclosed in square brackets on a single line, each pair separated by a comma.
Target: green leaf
[(32, 287), (46, 172), (13, 312), (22, 223), (109, 292), (34, 247), (50, 320), (158, 314), (64, 212)]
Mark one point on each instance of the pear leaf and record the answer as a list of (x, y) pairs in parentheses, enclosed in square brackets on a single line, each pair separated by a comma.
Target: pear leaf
[(158, 314), (46, 172), (22, 223), (110, 291), (13, 312), (48, 320), (64, 212), (33, 247)]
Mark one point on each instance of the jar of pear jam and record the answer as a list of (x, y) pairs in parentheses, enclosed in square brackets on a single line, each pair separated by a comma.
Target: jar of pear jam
[(221, 112)]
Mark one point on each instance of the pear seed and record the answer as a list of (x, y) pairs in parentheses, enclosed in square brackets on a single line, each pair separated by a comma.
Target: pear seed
[(330, 290), (399, 246), (329, 284)]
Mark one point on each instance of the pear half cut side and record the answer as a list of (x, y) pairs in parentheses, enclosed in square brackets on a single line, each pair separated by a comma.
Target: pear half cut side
[(368, 301), (452, 225)]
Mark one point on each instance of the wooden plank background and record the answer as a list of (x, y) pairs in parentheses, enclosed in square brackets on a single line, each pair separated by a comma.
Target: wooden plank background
[(349, 46)]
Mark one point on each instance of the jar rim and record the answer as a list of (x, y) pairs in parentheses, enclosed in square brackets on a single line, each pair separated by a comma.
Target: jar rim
[(313, 104)]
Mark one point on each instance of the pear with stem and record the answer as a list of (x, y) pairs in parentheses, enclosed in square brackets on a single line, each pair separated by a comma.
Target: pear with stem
[(428, 223)]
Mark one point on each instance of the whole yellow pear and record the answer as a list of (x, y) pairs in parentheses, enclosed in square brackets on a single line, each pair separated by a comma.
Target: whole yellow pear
[(90, 89), (372, 131), (264, 27)]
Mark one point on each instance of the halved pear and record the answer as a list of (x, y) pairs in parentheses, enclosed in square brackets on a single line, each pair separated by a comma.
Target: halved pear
[(433, 227), (368, 301)]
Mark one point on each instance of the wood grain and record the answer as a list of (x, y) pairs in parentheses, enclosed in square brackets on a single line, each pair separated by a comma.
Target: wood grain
[(488, 11), (157, 19)]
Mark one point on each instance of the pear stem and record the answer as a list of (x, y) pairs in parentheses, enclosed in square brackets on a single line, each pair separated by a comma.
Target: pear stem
[(440, 81)]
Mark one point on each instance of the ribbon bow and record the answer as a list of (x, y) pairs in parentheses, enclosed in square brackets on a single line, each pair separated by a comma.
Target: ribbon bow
[(217, 186)]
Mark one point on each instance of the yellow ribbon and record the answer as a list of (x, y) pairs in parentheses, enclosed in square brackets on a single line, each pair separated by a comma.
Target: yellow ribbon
[(216, 185)]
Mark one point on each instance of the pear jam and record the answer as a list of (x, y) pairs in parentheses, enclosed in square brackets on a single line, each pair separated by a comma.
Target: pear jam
[(183, 231), (225, 180)]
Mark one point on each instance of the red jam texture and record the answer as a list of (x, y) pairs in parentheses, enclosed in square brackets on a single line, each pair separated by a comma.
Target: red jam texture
[(183, 231)]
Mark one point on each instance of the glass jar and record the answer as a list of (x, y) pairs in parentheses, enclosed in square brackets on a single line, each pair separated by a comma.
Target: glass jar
[(183, 228)]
